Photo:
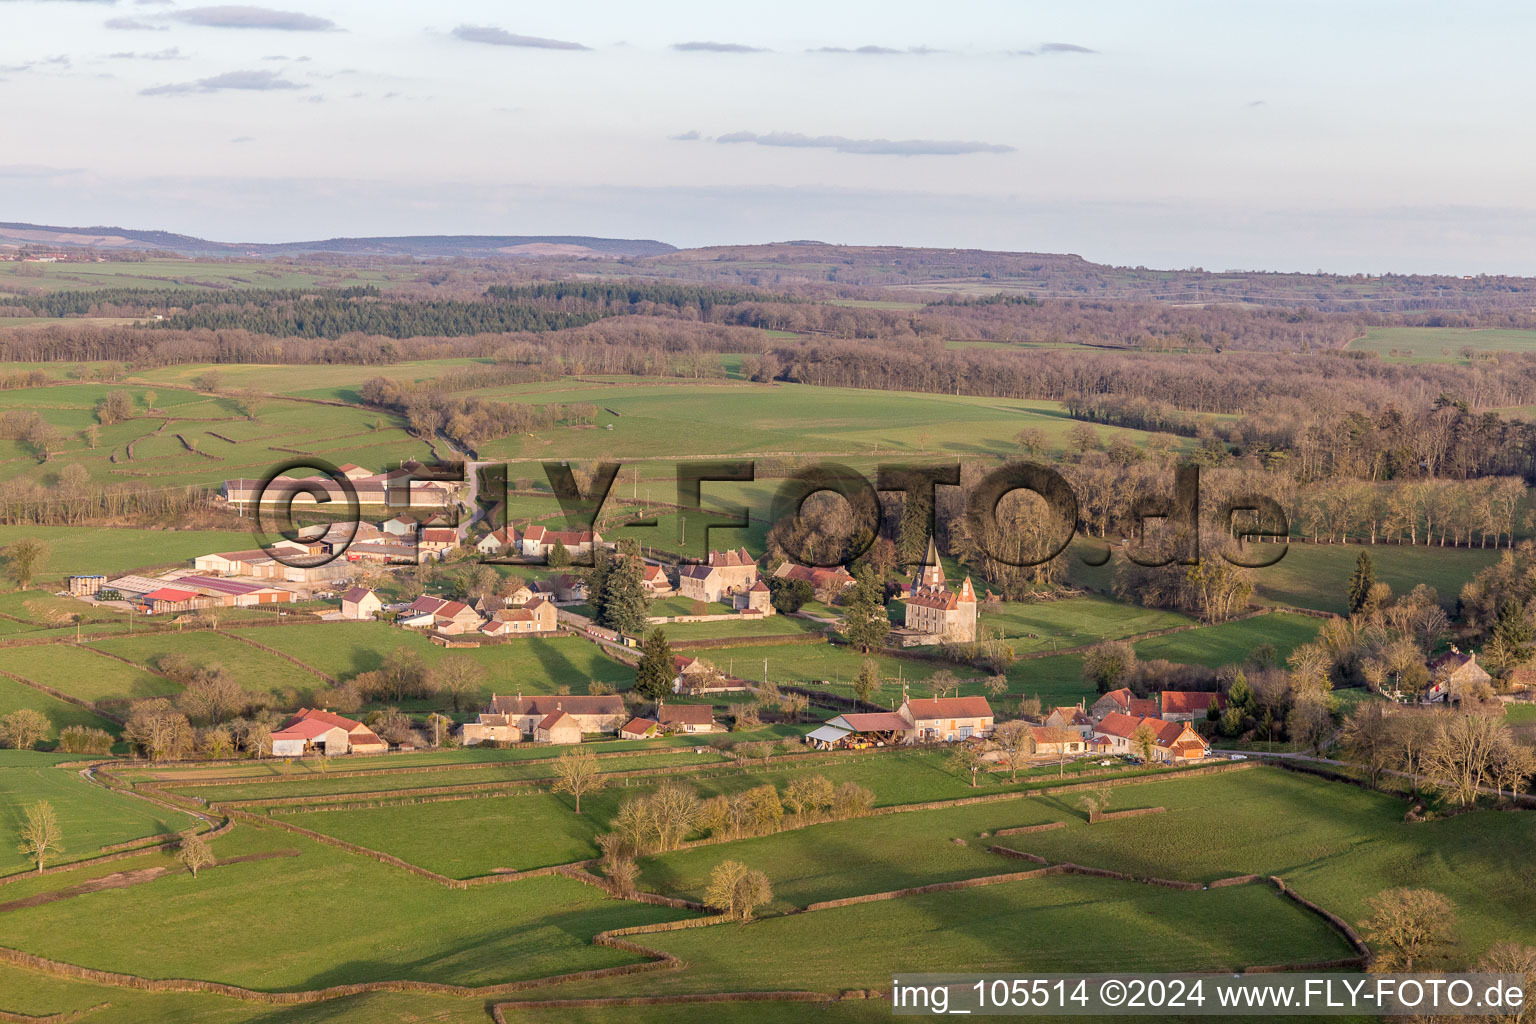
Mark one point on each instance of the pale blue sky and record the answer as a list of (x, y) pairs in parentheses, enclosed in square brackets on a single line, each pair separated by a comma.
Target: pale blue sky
[(1346, 136)]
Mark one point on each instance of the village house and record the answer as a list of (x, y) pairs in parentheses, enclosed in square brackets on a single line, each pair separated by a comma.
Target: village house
[(1454, 674), (557, 727), (1189, 705), (401, 525), (352, 471), (538, 540), (933, 610), (515, 719), (317, 730), (826, 583), (1055, 741), (498, 542), (653, 578), (360, 603), (701, 582), (564, 587), (437, 541), (1171, 742), (640, 729), (685, 717), (440, 615), (537, 616), (946, 719), (1126, 703), (1071, 717)]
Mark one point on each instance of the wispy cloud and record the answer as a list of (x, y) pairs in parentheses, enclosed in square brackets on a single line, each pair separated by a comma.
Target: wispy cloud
[(493, 36), (134, 25), (712, 47), (1047, 49), (868, 147), (868, 51), (689, 136), (250, 81), (246, 16), (171, 53)]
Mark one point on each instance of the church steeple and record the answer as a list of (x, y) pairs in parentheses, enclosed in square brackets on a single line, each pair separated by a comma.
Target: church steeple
[(932, 574)]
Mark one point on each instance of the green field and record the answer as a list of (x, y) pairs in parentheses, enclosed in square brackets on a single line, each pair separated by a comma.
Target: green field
[(253, 668), (1317, 575), (1336, 844), (90, 815), (1073, 622), (113, 552), (1231, 642), (1441, 344), (480, 936), (189, 273), (533, 829), (534, 665), (82, 673), (60, 714)]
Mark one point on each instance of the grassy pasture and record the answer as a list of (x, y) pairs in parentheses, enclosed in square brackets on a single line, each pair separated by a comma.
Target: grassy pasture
[(112, 552), (84, 674), (527, 830), (1038, 924), (398, 925), (38, 995), (90, 816), (1337, 844), (506, 771), (534, 665), (179, 273), (1317, 575), (253, 668), (1441, 344), (1075, 621), (60, 714), (1231, 642)]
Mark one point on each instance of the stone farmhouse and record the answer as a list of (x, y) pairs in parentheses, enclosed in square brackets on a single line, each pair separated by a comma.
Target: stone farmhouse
[(1453, 674), (1189, 705), (516, 719), (314, 730), (1172, 742), (1126, 703), (946, 719), (360, 603)]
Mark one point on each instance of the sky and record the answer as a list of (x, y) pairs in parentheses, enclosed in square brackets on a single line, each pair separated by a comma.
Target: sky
[(1343, 136)]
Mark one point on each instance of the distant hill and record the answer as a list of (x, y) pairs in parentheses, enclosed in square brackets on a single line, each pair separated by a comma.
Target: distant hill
[(125, 239)]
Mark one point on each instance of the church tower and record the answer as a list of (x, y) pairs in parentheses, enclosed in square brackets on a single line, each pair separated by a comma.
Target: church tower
[(932, 574)]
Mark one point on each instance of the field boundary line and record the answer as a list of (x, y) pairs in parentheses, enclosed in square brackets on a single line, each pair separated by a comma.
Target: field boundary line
[(61, 695), (281, 654), (1340, 927), (499, 1010), (63, 1016)]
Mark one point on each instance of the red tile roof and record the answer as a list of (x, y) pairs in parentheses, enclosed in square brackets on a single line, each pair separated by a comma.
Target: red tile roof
[(877, 721), (639, 726), (555, 718), (685, 714), (949, 707), (1188, 702), (356, 594), (543, 704)]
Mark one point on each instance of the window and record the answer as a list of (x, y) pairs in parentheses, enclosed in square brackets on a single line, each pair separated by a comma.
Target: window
[(965, 732)]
